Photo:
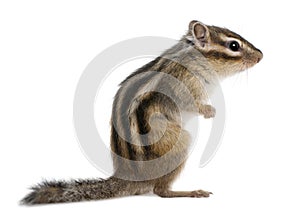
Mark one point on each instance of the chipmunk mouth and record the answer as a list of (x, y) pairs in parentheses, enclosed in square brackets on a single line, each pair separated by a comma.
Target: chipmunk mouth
[(259, 58), (246, 65), (251, 59), (260, 55), (250, 63)]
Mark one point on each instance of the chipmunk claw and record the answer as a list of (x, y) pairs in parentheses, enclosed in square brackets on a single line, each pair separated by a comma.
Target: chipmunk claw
[(200, 193)]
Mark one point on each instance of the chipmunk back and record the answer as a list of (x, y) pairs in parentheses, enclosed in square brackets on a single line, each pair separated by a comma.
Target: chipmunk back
[(148, 142)]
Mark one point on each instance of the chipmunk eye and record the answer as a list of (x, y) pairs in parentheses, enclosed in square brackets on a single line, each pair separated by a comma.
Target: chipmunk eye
[(234, 46)]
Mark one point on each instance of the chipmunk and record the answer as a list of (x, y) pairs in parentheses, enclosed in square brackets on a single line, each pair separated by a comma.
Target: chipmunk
[(148, 142)]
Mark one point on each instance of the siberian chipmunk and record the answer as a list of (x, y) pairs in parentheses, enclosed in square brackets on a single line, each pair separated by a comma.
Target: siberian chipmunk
[(148, 142)]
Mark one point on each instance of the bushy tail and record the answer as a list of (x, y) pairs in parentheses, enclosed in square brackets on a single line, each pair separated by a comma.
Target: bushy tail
[(77, 190)]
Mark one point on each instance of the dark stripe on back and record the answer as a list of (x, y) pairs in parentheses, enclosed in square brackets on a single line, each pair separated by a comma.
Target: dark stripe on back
[(143, 125), (143, 116), (114, 140), (126, 101)]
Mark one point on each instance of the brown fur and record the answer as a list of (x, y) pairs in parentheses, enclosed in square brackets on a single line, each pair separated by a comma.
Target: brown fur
[(146, 123)]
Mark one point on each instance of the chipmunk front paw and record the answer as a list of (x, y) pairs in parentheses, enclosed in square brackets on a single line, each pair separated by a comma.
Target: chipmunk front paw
[(208, 111)]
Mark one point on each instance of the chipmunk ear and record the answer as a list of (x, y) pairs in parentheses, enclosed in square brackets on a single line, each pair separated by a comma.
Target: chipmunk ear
[(199, 32)]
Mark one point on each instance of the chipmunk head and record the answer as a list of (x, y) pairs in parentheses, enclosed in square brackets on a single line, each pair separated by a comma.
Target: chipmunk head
[(227, 52)]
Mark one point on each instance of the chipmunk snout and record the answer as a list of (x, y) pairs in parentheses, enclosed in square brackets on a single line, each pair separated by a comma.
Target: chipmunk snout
[(259, 55)]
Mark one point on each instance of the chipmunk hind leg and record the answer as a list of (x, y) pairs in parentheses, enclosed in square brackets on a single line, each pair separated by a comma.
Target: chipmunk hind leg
[(162, 187)]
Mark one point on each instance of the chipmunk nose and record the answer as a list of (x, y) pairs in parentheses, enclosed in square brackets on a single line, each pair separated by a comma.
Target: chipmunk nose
[(259, 55), (259, 59)]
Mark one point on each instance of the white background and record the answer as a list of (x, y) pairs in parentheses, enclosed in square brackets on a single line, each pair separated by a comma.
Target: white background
[(44, 48)]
